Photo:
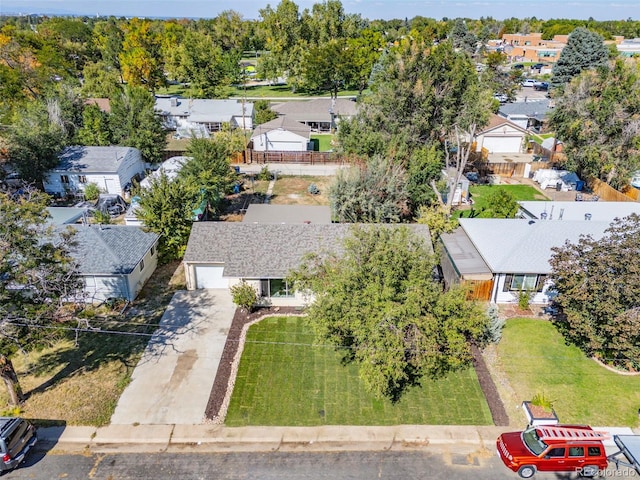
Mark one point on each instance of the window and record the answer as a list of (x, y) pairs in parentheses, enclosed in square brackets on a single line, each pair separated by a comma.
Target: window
[(64, 178), (82, 178), (556, 452), (275, 287), (594, 451), (576, 451), (141, 265), (518, 282), (153, 250)]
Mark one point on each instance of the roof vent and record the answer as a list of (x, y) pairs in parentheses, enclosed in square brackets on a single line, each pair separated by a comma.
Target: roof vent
[(174, 102), (587, 216), (543, 216)]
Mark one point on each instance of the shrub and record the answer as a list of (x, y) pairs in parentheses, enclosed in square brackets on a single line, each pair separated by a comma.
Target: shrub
[(493, 332), (524, 297), (265, 174), (91, 191), (541, 400), (244, 295), (313, 189)]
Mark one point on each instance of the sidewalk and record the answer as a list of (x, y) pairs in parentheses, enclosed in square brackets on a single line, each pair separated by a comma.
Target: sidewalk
[(217, 438)]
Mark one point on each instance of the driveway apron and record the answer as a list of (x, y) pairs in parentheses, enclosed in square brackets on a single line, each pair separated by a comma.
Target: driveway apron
[(173, 379)]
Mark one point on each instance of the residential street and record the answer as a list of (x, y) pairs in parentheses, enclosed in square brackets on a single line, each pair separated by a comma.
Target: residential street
[(263, 466)]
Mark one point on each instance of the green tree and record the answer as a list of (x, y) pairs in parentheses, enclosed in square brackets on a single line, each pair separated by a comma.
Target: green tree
[(209, 168), (598, 285), (425, 168), (203, 65), (585, 50), (462, 38), (140, 59), (100, 80), (37, 274), (166, 208), (327, 68), (501, 204), (378, 304), (375, 192), (134, 123), (364, 52), (597, 119), (95, 130), (262, 112), (437, 219)]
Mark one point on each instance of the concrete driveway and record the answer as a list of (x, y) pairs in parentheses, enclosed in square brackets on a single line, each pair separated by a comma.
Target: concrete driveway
[(173, 379)]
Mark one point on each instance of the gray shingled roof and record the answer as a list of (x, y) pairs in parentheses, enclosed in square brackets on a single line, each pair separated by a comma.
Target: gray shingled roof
[(250, 250), (268, 213), (92, 159), (110, 249), (316, 110), (533, 109), (524, 246), (283, 123), (203, 110)]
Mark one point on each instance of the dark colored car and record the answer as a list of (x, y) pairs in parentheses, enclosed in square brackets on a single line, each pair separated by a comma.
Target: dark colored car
[(17, 437), (518, 66), (542, 86), (538, 66)]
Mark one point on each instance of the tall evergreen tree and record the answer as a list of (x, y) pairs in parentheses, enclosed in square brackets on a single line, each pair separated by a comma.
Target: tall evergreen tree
[(585, 49)]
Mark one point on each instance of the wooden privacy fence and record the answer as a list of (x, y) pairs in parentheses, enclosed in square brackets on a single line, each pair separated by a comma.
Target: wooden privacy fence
[(306, 157), (479, 289), (610, 194), (507, 169)]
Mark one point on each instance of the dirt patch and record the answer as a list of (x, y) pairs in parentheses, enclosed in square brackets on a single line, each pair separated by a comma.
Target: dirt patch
[(496, 407), (295, 190)]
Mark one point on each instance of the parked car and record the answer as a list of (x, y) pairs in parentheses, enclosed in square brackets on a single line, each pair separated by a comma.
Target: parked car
[(541, 86), (518, 66), (528, 82), (501, 97), (538, 66), (17, 437), (553, 448)]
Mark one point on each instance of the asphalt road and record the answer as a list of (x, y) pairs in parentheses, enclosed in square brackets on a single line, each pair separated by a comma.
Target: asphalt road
[(263, 466)]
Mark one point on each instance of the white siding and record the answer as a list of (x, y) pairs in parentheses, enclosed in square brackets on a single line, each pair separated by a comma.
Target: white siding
[(503, 144), (499, 296), (279, 141)]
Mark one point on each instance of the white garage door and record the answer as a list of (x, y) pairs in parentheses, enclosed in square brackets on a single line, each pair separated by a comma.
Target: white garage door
[(208, 276), (503, 144)]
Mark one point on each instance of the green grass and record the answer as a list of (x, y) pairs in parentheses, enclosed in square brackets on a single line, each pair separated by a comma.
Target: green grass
[(480, 193), (325, 141), (283, 379), (536, 360)]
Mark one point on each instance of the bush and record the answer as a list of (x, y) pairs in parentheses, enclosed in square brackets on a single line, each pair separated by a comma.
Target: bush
[(313, 189), (244, 295), (265, 174), (524, 297), (91, 191), (493, 332)]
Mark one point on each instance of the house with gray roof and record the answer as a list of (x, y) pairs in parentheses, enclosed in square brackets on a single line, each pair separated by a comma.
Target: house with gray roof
[(221, 254), (594, 211), (281, 135), (529, 114), (500, 258), (321, 114), (115, 261), (110, 168), (203, 116)]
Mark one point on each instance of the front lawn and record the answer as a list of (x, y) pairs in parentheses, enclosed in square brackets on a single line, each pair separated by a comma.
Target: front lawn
[(286, 379), (536, 360), (480, 193)]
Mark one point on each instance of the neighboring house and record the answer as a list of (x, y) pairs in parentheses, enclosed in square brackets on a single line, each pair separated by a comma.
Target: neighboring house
[(499, 258), (115, 261), (267, 213), (281, 135), (501, 136), (629, 47), (169, 167), (201, 117), (221, 254), (65, 215), (321, 114), (528, 115), (110, 168)]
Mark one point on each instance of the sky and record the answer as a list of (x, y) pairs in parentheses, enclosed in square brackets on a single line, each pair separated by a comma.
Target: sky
[(371, 9)]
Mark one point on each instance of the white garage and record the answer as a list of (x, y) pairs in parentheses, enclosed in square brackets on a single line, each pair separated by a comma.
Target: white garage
[(503, 144), (210, 276)]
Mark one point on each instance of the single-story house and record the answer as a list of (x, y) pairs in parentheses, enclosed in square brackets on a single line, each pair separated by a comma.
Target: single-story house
[(321, 114), (501, 136), (530, 114), (66, 215), (221, 254), (203, 116), (169, 167), (110, 168), (595, 211), (115, 261), (502, 257), (268, 213), (281, 135)]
